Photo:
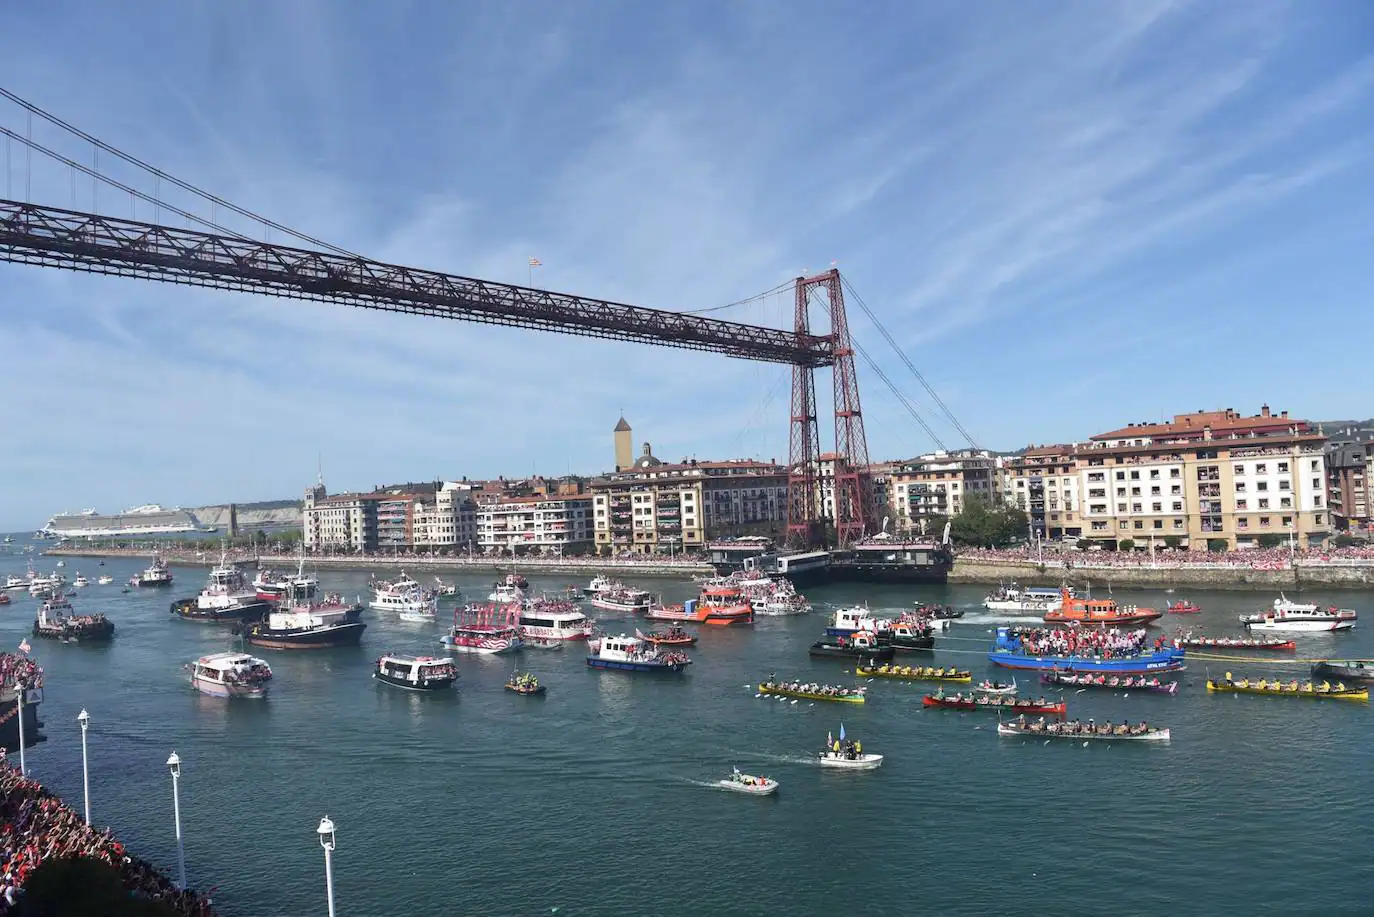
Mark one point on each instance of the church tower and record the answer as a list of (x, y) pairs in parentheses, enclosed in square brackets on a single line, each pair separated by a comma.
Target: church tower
[(624, 447)]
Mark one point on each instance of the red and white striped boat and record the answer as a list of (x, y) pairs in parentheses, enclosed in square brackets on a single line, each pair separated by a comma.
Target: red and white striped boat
[(485, 630)]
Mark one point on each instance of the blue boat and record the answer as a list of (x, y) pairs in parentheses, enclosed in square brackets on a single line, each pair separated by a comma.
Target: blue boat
[(1008, 653), (633, 654)]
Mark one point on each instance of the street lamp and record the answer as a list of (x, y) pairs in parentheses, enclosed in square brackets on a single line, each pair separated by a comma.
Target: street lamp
[(22, 689), (84, 719), (174, 765), (326, 833)]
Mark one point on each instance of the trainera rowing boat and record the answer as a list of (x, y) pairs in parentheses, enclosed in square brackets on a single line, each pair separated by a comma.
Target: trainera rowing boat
[(1150, 735), (1338, 691), (849, 695), (914, 673), (1111, 683), (956, 702)]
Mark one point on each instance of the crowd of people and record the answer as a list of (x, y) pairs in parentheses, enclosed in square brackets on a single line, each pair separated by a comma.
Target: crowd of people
[(1105, 643), (38, 826), (1280, 558), (16, 669)]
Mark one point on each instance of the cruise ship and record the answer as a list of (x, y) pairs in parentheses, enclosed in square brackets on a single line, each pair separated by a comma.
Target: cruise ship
[(151, 519)]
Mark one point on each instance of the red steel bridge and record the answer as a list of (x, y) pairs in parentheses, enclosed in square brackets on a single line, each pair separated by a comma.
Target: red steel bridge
[(215, 257)]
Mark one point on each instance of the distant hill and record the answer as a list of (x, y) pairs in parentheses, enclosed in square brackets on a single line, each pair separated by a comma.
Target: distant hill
[(265, 514)]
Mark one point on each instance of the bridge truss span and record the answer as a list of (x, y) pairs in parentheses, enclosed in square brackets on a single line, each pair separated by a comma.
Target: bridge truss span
[(73, 240)]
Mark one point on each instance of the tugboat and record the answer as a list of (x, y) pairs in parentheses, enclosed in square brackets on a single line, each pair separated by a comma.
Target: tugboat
[(842, 753), (303, 624), (231, 675), (55, 621), (861, 645), (227, 596), (484, 629), (631, 654), (524, 683), (416, 673), (157, 575)]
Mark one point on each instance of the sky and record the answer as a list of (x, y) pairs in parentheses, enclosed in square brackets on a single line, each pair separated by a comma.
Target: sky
[(1069, 216)]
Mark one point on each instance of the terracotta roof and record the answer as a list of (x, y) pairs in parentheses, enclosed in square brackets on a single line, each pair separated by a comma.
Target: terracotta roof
[(1221, 423)]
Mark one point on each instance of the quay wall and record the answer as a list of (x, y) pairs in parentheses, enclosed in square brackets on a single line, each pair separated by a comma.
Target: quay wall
[(539, 566), (1220, 576)]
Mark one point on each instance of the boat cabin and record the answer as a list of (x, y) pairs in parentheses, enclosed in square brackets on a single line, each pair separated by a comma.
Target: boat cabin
[(416, 669), (854, 618), (622, 648)]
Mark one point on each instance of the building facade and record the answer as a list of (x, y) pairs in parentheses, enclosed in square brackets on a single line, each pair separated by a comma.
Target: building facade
[(939, 485), (1043, 482), (449, 521), (535, 525), (662, 508), (1350, 469)]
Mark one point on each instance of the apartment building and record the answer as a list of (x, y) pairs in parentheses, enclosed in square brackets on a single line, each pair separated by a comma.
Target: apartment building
[(939, 484), (1350, 470), (661, 508), (449, 521), (1043, 482), (535, 525)]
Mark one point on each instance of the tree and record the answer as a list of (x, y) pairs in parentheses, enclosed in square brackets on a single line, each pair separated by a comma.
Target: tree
[(1270, 540), (81, 885), (1084, 544), (1345, 541), (979, 524), (1172, 542), (1217, 545), (1125, 544)]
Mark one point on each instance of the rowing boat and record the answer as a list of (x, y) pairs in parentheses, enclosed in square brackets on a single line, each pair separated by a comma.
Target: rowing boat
[(1238, 643), (836, 694), (1325, 690), (1115, 683), (1025, 705), (1060, 731), (914, 673)]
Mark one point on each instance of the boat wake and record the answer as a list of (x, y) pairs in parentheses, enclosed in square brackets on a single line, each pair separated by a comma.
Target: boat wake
[(779, 759), (995, 618)]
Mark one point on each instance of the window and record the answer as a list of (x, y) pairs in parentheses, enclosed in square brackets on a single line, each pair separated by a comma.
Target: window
[(1121, 475), (1124, 524), (1121, 491), (1135, 507), (1139, 524), (1242, 523), (1095, 477), (1135, 475), (1264, 522), (1287, 522), (1264, 503), (1099, 526), (1099, 507), (1175, 473), (1316, 483), (1316, 464), (1242, 503), (1316, 501), (1285, 503), (1283, 467), (1156, 507), (1135, 491), (1121, 507), (1238, 469), (1176, 490), (1240, 487), (1262, 486), (1285, 485), (1178, 506), (1097, 492), (1317, 519), (1261, 468), (1154, 491), (1178, 523), (1154, 474), (1159, 523)]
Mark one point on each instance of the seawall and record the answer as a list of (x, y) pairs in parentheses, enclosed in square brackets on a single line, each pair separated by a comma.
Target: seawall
[(1310, 574)]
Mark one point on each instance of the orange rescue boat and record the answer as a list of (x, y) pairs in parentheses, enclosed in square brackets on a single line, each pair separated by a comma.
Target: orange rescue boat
[(1106, 612)]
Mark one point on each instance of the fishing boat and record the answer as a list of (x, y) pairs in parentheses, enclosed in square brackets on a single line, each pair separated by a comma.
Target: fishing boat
[(524, 683), (55, 621), (808, 691), (415, 673), (861, 645), (905, 636), (302, 623), (227, 596), (1032, 599), (1237, 643), (1182, 607), (1084, 732), (851, 620), (1360, 671), (1098, 612), (673, 636), (156, 575), (995, 688), (1277, 688), (915, 673), (1110, 682), (1010, 651), (963, 701), (231, 675), (105, 580), (631, 654), (748, 783), (553, 619), (622, 600), (486, 630), (1295, 617), (845, 754)]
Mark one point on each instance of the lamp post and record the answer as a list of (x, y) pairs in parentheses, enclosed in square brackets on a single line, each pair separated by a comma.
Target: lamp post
[(174, 765), (84, 719), (22, 689), (326, 833)]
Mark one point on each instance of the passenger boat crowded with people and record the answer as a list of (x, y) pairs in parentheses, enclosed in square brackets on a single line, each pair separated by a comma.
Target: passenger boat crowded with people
[(409, 599), (487, 630), (1089, 731), (748, 783), (1295, 617), (302, 623), (271, 586), (1101, 612), (155, 575), (811, 691), (227, 596), (231, 675), (902, 635), (847, 754), (673, 636), (1236, 643), (861, 645), (415, 673), (1111, 682), (722, 605), (850, 620), (622, 600), (1360, 671), (694, 611), (936, 611), (1182, 607), (1084, 650), (631, 654), (56, 621), (1028, 600), (1278, 688), (524, 683), (915, 673), (963, 701), (553, 619)]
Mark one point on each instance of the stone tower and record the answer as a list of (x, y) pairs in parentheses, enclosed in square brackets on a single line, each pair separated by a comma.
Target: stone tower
[(624, 447)]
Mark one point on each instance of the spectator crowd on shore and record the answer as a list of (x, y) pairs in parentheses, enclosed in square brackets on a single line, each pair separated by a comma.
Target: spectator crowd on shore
[(39, 826), (1254, 559)]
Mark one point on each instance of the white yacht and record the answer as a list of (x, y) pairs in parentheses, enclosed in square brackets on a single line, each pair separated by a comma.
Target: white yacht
[(600, 584), (80, 582), (506, 594), (1298, 617), (1031, 599), (231, 675), (406, 597), (17, 582)]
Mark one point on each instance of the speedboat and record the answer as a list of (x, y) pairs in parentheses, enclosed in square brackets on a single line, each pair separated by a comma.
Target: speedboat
[(231, 675), (80, 582), (105, 580), (1298, 617), (416, 673), (847, 755), (748, 783)]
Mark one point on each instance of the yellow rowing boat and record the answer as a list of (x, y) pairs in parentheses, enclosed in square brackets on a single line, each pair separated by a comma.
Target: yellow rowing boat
[(915, 673), (1276, 688)]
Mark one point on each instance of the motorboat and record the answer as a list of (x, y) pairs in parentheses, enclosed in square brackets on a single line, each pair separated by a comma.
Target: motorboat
[(1182, 607), (748, 783), (1360, 671), (1030, 600), (80, 582), (448, 590), (631, 654), (995, 688), (623, 600), (156, 575), (105, 580), (416, 673), (301, 623), (848, 755), (850, 620), (505, 594), (18, 582), (673, 636), (56, 621), (600, 584), (231, 675), (227, 596), (1296, 617), (1104, 612), (524, 683), (486, 630), (272, 587), (553, 619), (862, 645), (405, 596)]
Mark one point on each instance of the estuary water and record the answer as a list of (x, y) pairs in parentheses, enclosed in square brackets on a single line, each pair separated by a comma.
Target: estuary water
[(594, 800)]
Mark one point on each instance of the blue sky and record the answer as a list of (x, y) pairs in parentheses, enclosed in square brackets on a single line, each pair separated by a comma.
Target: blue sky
[(1070, 215)]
